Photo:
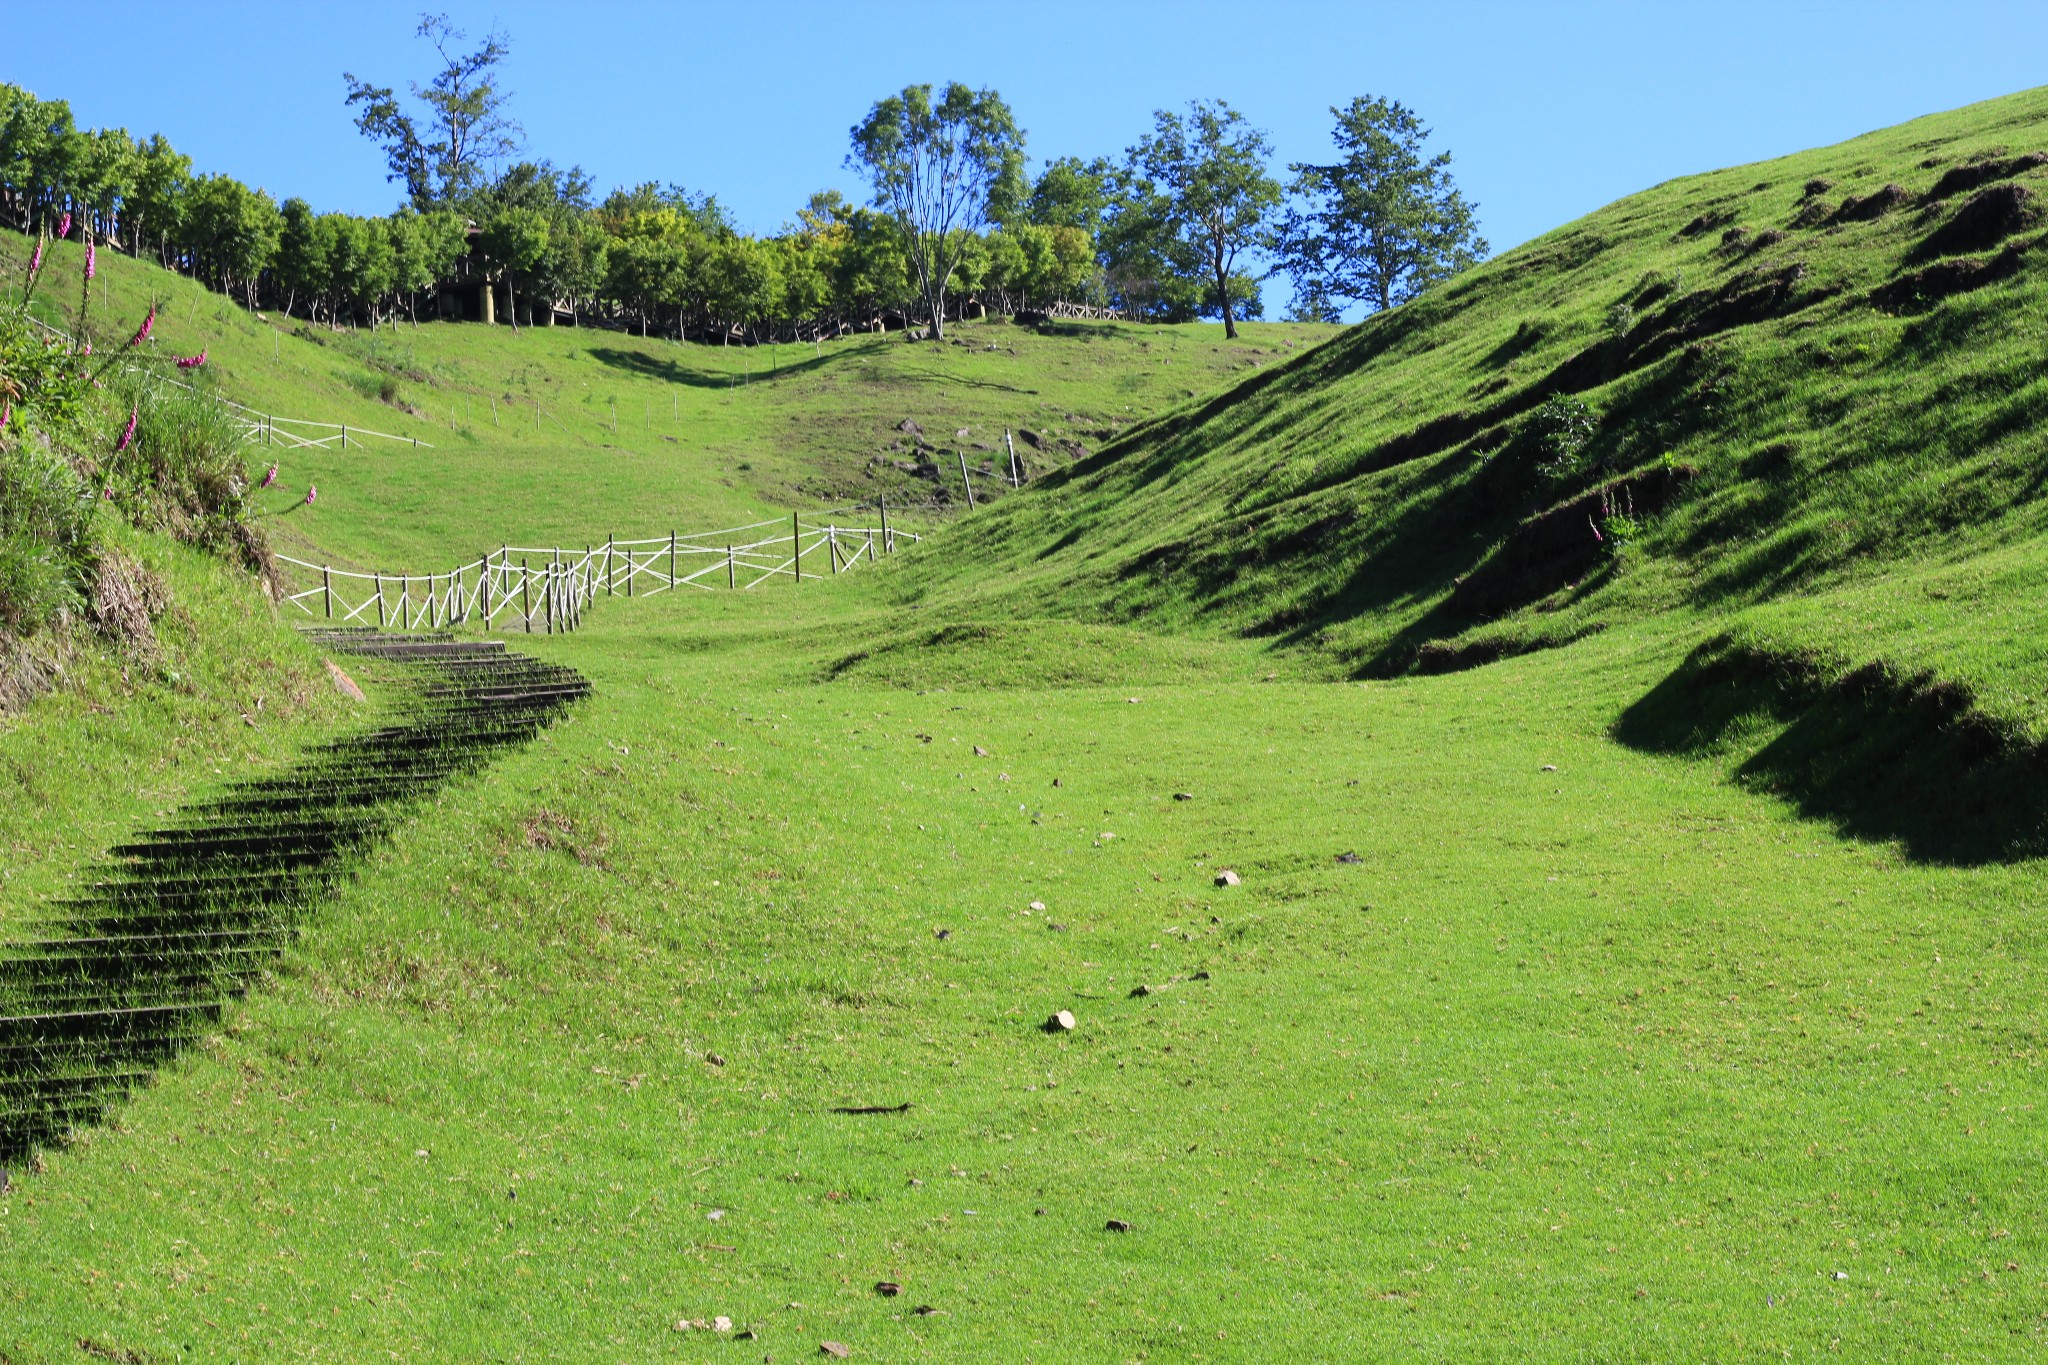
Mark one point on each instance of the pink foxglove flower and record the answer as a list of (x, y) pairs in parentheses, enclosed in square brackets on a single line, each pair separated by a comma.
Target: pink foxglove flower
[(91, 259), (271, 477), (35, 262), (312, 492), (64, 227), (191, 362), (148, 326), (85, 348), (6, 412), (108, 494), (128, 432)]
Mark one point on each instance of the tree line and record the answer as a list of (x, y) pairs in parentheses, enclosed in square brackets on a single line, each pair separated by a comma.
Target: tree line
[(1185, 225)]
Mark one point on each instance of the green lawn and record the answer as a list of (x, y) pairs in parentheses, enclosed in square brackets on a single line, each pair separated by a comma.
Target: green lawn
[(1615, 1060)]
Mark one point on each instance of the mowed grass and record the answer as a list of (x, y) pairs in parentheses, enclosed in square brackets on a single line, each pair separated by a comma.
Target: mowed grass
[(1615, 1060)]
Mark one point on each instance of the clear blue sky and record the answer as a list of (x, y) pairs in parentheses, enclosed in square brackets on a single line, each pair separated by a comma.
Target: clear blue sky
[(1550, 108)]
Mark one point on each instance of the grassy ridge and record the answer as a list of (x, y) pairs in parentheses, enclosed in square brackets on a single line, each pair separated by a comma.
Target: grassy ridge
[(1781, 411)]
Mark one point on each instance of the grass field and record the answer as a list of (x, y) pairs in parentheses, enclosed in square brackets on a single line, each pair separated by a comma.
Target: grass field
[(1668, 988)]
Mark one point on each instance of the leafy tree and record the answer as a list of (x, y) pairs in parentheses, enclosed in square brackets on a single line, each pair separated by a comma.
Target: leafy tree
[(940, 169), (467, 125), (1072, 193), (156, 204), (233, 232), (1384, 222), (515, 241), (1200, 184), (303, 245)]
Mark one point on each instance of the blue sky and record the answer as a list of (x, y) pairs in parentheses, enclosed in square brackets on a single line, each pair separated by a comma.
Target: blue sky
[(1550, 109)]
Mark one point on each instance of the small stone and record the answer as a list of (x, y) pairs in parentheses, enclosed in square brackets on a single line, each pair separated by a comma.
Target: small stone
[(1349, 858), (1550, 767), (888, 1289), (1038, 1213), (1116, 1225), (980, 752), (1038, 905), (909, 425), (838, 1350), (942, 933), (1183, 796), (715, 1216), (1002, 777), (721, 1324), (925, 1310), (1062, 1022), (1227, 878), (714, 1059), (1056, 782), (1199, 976), (1841, 1274), (1056, 928)]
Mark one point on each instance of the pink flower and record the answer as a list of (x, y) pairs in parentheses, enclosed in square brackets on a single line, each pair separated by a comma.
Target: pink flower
[(90, 258), (148, 325), (64, 228), (127, 433), (85, 348), (191, 362), (108, 495), (312, 492), (6, 411), (271, 477), (35, 262)]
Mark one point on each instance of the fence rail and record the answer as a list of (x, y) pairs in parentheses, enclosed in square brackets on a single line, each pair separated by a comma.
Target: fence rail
[(547, 588)]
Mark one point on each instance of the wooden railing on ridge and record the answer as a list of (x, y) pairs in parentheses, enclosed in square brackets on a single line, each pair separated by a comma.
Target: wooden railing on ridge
[(532, 588)]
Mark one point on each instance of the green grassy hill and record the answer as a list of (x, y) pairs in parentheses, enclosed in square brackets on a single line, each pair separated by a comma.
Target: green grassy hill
[(1545, 1022)]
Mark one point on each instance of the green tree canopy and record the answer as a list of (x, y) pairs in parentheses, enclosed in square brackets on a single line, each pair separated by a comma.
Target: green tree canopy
[(441, 159), (940, 169), (1200, 190), (1383, 223)]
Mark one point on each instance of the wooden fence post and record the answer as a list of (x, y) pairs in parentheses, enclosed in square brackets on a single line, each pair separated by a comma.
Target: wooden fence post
[(832, 545), (963, 478), (380, 600), (609, 541), (1015, 481), (796, 552), (483, 591), (327, 588), (671, 558), (526, 594), (887, 543), (731, 574)]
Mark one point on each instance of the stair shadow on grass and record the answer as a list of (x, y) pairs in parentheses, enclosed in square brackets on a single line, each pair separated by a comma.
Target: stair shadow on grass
[(186, 918), (1880, 755)]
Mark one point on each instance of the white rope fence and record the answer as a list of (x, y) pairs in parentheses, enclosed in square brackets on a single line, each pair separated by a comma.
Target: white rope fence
[(546, 589)]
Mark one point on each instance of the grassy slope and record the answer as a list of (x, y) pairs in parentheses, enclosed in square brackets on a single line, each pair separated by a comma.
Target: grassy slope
[(1868, 451), (706, 436), (1621, 1060)]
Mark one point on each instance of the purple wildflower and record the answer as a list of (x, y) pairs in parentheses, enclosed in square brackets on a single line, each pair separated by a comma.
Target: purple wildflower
[(312, 492), (191, 362), (91, 259), (271, 477), (127, 432), (148, 325), (64, 227)]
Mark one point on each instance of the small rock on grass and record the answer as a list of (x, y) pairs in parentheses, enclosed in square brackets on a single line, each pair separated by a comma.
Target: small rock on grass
[(1062, 1022), (714, 1059), (980, 752), (1038, 905), (942, 933), (1183, 796), (838, 1350), (1349, 858), (888, 1289), (343, 683), (925, 1310), (1116, 1225), (1139, 992), (1550, 767), (1227, 878)]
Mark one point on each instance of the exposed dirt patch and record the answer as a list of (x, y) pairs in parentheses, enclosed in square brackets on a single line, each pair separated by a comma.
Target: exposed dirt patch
[(1557, 548), (1962, 179), (1986, 218), (1870, 207)]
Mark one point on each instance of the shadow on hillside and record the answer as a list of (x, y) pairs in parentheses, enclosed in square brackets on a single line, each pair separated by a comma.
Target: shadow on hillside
[(666, 370), (1878, 755)]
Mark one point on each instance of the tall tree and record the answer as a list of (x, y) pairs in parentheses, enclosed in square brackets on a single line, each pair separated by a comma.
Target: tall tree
[(941, 170), (1213, 198), (1383, 223), (466, 125)]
